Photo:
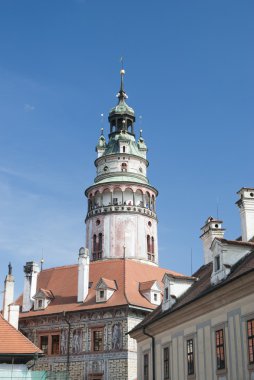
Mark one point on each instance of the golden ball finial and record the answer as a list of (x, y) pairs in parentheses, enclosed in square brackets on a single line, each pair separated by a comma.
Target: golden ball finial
[(122, 71)]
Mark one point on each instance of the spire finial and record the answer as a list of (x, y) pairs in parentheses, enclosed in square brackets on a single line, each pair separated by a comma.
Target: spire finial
[(140, 132), (102, 131), (121, 95), (9, 269)]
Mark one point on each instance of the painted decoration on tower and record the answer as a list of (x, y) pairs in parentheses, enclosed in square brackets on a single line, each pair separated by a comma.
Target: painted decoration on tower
[(116, 336)]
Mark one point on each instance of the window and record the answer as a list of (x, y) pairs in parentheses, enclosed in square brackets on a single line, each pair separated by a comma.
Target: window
[(166, 294), (123, 149), (55, 344), (124, 167), (166, 363), (97, 342), (40, 304), (50, 343), (150, 247), (155, 297), (97, 247), (220, 349), (217, 262), (102, 293), (146, 367), (190, 357), (44, 342), (250, 330)]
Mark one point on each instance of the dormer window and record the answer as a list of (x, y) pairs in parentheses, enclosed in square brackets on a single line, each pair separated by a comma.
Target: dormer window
[(124, 167), (217, 263), (42, 299), (151, 290), (166, 294), (105, 289)]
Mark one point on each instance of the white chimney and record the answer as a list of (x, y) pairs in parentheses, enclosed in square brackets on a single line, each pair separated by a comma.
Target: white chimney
[(212, 229), (31, 270), (8, 292), (83, 274), (246, 206), (14, 316)]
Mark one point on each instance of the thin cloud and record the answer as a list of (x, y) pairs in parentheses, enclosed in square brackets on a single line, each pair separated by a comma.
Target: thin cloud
[(29, 108)]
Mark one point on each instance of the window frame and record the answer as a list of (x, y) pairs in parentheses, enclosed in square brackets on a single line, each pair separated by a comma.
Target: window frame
[(191, 354), (49, 335), (250, 338), (166, 376), (146, 365), (218, 347), (93, 331)]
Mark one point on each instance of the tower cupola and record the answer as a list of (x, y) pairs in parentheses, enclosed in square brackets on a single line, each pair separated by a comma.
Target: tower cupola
[(122, 116)]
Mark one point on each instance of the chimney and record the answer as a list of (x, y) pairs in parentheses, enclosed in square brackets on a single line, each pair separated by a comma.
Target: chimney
[(83, 274), (14, 316), (8, 292), (31, 270), (10, 311), (246, 206), (212, 229)]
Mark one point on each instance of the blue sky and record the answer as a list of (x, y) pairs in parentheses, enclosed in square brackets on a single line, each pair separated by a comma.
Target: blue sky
[(189, 73)]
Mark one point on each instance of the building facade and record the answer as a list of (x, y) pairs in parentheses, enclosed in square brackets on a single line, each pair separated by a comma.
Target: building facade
[(79, 315), (206, 331)]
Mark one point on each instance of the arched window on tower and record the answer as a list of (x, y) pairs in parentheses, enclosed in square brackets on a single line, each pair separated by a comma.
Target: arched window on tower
[(94, 247), (150, 247), (97, 247), (123, 149), (100, 246)]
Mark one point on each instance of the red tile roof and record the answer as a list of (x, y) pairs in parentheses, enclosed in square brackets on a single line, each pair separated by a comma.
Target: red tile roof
[(13, 341), (146, 285), (127, 274), (109, 283)]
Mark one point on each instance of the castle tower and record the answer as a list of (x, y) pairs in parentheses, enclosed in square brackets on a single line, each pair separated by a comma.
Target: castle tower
[(121, 221)]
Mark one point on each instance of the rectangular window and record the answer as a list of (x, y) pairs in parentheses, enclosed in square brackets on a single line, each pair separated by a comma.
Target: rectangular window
[(55, 344), (44, 343), (220, 349), (250, 330), (217, 262), (190, 357), (98, 340), (101, 293), (166, 363), (146, 367), (155, 297), (50, 343), (166, 294)]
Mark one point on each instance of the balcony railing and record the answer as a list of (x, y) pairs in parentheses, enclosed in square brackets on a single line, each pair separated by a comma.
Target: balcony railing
[(121, 208)]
